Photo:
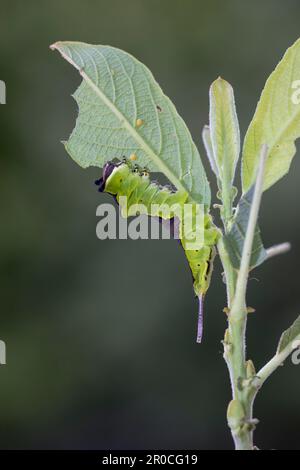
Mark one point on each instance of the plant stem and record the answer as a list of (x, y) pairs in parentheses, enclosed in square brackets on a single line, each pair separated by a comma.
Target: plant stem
[(277, 360), (242, 279), (241, 373), (278, 249)]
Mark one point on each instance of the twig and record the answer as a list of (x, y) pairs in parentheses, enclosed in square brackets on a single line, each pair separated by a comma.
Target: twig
[(278, 249), (240, 419)]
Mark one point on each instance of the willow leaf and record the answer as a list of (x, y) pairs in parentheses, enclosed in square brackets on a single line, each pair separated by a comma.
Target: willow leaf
[(209, 150), (123, 111), (276, 122), (234, 240), (290, 335), (224, 130)]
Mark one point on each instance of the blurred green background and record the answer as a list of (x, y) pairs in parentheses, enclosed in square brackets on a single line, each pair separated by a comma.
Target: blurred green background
[(99, 358)]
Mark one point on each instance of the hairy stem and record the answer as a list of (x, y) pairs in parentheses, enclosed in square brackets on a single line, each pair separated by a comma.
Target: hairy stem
[(277, 360), (242, 374), (278, 249)]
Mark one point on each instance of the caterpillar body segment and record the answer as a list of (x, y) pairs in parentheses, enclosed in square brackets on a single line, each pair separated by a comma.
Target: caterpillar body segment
[(123, 180)]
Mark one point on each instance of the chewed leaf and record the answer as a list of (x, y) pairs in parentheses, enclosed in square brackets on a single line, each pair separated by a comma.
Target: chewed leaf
[(234, 240), (123, 112), (289, 336), (276, 122)]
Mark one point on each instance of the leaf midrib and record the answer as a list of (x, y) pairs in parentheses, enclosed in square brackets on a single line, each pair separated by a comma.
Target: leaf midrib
[(281, 133), (284, 130), (145, 147)]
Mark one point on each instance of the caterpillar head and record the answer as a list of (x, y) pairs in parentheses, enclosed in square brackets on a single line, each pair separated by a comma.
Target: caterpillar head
[(107, 171), (113, 174)]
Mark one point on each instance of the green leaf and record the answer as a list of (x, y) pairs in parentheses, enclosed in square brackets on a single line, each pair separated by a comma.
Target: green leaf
[(289, 336), (209, 150), (234, 240), (276, 122), (224, 129), (123, 111)]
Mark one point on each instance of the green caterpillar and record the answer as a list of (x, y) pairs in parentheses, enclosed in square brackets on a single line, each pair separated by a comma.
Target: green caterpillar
[(124, 179)]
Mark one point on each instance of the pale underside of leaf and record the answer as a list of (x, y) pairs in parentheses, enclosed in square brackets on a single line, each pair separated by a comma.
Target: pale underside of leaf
[(209, 150), (276, 122), (123, 111), (234, 240), (289, 336), (224, 128)]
